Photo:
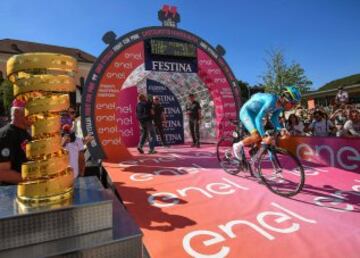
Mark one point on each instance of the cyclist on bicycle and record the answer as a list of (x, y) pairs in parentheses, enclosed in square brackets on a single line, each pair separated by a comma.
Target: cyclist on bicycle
[(256, 108)]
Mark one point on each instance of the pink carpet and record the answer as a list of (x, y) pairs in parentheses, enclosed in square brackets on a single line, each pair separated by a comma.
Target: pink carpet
[(187, 206)]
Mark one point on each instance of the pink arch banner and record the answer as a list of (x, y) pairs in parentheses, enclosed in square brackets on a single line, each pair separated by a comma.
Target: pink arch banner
[(102, 115)]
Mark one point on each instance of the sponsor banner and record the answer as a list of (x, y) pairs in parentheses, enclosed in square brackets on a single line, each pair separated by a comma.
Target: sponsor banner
[(174, 128), (127, 123), (169, 59), (336, 152), (109, 92), (187, 206), (176, 66), (220, 90)]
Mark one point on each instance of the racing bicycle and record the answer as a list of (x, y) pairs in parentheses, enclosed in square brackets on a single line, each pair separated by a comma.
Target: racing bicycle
[(277, 168)]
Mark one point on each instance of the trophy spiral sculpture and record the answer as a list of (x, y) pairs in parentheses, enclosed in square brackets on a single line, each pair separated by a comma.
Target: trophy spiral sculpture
[(43, 81)]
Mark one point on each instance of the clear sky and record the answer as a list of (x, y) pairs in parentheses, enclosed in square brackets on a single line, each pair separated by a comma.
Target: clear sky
[(322, 35)]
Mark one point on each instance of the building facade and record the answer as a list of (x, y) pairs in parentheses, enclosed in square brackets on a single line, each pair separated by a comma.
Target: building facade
[(327, 97), (10, 47)]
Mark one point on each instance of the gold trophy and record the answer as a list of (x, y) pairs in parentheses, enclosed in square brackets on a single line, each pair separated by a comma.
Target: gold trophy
[(43, 81)]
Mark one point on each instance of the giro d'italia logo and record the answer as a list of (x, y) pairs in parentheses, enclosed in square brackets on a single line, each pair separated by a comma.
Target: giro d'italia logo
[(169, 16), (5, 152)]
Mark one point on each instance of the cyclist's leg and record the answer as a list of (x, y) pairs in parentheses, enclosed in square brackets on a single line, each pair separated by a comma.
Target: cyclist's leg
[(253, 138), (247, 118)]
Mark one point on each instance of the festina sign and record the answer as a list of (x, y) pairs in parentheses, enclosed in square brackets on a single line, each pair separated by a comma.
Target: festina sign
[(164, 66)]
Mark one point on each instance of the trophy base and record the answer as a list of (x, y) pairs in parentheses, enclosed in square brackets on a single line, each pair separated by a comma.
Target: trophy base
[(27, 203), (93, 223)]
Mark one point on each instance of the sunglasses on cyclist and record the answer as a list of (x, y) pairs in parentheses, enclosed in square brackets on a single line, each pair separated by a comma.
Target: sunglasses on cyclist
[(289, 99)]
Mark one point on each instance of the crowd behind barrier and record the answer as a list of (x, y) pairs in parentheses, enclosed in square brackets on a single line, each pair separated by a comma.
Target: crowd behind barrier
[(333, 120), (340, 119)]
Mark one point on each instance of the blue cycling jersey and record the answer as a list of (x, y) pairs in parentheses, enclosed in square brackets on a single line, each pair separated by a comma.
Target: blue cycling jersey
[(256, 108)]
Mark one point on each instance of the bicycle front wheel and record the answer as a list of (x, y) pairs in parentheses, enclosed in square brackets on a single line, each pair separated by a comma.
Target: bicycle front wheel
[(225, 156), (281, 172)]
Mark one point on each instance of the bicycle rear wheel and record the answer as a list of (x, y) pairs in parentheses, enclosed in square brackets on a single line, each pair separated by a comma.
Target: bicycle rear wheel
[(281, 172), (225, 156)]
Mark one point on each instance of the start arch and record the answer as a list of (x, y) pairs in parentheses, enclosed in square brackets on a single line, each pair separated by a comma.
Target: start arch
[(176, 58)]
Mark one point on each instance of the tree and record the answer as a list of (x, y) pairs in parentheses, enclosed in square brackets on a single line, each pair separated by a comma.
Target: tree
[(280, 74), (257, 88), (7, 96)]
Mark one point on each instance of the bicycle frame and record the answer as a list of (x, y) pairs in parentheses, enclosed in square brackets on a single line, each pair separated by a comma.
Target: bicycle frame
[(254, 164)]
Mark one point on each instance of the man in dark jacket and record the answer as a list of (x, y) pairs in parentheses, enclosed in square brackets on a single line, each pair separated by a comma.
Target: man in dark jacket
[(193, 111), (159, 119), (143, 114)]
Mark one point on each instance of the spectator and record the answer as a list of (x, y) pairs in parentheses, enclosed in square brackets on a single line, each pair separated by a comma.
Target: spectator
[(143, 114), (75, 147), (76, 128), (348, 108), (307, 130), (320, 126), (342, 97), (299, 112), (13, 138), (352, 126), (329, 123), (68, 117), (339, 119), (267, 123), (77, 125), (294, 125), (193, 111), (282, 120), (159, 119)]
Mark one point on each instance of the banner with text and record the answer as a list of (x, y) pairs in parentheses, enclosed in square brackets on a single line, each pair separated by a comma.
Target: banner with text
[(174, 129), (342, 153), (127, 124), (107, 94), (221, 93), (169, 61)]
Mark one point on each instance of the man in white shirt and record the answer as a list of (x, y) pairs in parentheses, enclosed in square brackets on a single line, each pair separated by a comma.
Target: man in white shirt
[(74, 146), (342, 97), (352, 126), (320, 126)]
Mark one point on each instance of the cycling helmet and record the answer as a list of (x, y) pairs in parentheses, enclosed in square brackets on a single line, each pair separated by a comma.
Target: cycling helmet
[(292, 94)]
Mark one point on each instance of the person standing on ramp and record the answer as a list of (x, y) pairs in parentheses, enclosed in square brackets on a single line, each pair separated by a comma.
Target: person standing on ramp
[(193, 110), (159, 119), (143, 114)]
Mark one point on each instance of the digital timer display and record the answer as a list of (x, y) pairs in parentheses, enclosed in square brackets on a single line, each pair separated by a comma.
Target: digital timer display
[(172, 48)]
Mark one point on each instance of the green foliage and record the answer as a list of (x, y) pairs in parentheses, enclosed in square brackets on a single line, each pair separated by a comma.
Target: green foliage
[(6, 96), (280, 74), (348, 80), (247, 90)]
